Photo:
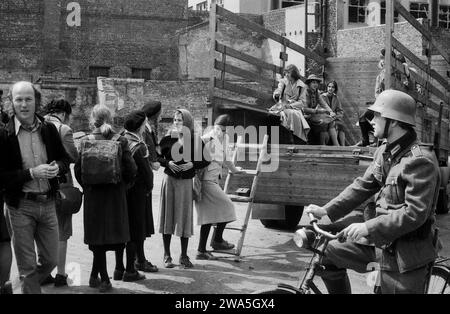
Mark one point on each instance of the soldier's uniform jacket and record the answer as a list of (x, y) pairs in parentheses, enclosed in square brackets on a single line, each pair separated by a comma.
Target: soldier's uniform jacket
[(405, 179)]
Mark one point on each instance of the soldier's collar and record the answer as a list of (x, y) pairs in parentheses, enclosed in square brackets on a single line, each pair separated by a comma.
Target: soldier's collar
[(396, 147)]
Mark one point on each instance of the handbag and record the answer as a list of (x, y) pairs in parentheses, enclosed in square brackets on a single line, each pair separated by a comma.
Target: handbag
[(197, 185), (69, 200)]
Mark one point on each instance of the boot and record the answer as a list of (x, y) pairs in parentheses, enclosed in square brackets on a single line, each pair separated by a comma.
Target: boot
[(338, 286)]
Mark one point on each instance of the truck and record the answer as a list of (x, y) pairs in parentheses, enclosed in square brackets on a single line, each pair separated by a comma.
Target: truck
[(315, 174)]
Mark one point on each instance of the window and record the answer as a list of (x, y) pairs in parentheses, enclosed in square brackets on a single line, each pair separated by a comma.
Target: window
[(290, 3), (202, 6), (357, 11), (383, 13), (444, 16), (419, 10), (95, 71), (140, 73)]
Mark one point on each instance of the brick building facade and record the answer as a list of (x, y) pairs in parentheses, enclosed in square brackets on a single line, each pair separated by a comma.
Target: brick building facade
[(78, 39)]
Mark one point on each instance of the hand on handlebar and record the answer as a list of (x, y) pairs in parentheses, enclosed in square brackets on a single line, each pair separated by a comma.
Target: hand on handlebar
[(355, 232), (316, 211)]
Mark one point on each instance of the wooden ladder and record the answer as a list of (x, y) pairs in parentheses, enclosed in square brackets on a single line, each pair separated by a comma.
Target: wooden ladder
[(244, 199)]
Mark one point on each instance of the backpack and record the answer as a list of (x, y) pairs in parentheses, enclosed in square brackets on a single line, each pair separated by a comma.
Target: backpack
[(101, 161)]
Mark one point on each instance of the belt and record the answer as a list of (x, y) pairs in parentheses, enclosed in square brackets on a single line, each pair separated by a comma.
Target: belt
[(38, 197)]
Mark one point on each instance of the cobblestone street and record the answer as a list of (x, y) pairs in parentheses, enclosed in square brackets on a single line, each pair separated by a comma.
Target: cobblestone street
[(269, 257)]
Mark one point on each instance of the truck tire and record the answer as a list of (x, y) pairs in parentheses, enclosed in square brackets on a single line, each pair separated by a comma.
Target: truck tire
[(293, 214)]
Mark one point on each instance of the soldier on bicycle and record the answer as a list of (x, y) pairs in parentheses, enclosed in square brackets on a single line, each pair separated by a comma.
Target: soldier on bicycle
[(399, 234)]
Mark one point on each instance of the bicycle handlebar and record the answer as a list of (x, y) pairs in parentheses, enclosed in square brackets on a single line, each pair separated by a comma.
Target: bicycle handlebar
[(320, 231)]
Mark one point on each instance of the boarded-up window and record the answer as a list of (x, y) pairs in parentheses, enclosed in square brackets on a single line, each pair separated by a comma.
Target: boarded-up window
[(419, 10), (357, 11), (141, 73), (96, 71), (444, 16)]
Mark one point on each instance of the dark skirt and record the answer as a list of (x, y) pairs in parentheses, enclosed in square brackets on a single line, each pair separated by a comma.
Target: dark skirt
[(140, 213), (105, 215), (4, 234)]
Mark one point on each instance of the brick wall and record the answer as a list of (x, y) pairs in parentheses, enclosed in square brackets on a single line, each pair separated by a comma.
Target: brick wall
[(368, 41), (275, 21), (20, 38), (194, 44), (119, 34), (189, 95)]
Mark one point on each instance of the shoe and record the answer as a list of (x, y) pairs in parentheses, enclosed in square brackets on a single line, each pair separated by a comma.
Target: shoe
[(7, 288), (186, 262), (118, 274), (130, 277), (94, 282), (168, 262), (60, 280), (105, 286), (205, 256), (146, 267), (222, 246), (48, 281)]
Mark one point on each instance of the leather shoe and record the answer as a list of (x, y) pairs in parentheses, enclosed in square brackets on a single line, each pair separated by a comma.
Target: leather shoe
[(130, 277)]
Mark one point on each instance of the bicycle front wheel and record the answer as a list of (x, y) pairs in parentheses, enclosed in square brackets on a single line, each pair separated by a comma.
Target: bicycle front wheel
[(439, 280)]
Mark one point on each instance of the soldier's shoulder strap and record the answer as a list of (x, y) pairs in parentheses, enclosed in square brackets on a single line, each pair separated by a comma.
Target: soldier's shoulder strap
[(419, 149)]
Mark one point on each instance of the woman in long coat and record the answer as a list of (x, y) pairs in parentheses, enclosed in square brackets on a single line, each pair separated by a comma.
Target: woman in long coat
[(136, 197), (287, 95), (152, 110), (106, 226), (214, 206), (176, 212), (333, 102)]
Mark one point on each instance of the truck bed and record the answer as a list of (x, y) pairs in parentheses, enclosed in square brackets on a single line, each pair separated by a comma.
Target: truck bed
[(305, 174)]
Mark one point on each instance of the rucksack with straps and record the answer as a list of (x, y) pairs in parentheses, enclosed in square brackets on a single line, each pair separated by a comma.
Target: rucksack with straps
[(101, 161)]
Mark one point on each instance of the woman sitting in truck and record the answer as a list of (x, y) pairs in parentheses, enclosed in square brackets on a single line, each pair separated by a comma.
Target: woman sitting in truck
[(317, 112), (331, 98), (288, 107)]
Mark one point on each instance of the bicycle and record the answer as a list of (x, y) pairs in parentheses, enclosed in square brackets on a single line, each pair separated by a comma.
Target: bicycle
[(317, 241)]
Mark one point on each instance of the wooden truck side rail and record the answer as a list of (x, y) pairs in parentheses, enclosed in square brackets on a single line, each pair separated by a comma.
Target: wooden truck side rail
[(434, 95)]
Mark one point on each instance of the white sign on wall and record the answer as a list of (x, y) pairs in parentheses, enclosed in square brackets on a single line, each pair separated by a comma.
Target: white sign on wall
[(74, 17)]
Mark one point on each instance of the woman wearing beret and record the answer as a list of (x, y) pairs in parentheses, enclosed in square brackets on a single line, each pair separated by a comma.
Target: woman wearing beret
[(181, 155), (152, 110), (136, 197), (316, 110), (215, 207)]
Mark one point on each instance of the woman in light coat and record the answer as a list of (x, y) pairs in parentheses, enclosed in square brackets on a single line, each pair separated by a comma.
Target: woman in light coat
[(214, 206)]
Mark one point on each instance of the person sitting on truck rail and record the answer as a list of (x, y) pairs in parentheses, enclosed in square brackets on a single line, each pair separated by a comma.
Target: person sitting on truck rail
[(317, 112), (287, 95), (331, 98)]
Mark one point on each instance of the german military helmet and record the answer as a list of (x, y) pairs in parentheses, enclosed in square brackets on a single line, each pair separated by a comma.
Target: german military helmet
[(396, 105)]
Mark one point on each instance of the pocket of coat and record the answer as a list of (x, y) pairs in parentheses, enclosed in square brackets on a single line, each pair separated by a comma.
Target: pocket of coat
[(391, 192)]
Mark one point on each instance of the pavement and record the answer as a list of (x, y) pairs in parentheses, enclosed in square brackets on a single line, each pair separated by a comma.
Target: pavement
[(269, 257)]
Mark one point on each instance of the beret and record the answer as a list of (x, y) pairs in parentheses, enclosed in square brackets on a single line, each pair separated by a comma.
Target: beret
[(151, 108), (134, 120)]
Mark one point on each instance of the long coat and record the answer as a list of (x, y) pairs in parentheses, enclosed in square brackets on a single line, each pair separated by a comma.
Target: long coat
[(405, 180), (105, 205), (139, 203)]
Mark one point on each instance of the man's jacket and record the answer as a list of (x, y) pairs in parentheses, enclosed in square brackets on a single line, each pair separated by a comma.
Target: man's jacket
[(405, 178), (12, 174)]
